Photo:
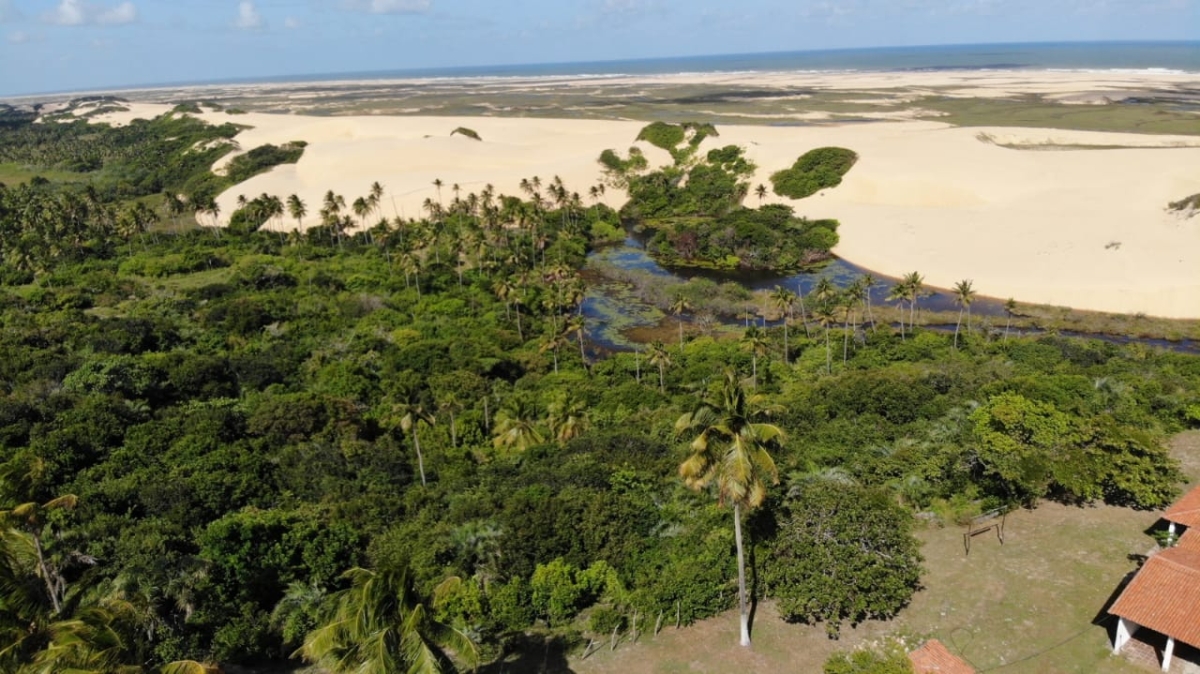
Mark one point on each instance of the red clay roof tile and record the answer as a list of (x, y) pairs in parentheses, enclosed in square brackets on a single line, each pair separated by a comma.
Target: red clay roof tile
[(1165, 595), (1186, 510), (934, 658)]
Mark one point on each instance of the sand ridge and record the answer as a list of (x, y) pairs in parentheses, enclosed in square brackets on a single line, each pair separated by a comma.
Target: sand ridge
[(1086, 228)]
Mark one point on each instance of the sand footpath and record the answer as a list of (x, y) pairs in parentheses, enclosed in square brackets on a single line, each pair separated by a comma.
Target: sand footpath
[(1085, 228)]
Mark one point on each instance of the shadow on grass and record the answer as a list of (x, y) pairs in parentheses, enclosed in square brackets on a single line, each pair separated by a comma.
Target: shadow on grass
[(532, 654)]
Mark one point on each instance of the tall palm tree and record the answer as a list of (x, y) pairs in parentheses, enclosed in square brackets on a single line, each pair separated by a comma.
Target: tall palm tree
[(411, 414), (553, 343), (899, 293), (577, 326), (914, 284), (730, 450), (785, 301), (379, 625), (1010, 309), (760, 192), (680, 306), (964, 295), (658, 355), (825, 314)]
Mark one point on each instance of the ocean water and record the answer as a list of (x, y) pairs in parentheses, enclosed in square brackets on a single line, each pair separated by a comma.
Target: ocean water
[(1164, 56)]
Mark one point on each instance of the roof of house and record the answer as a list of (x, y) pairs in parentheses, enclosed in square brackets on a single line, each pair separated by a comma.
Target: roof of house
[(1165, 595), (1186, 510), (1190, 539), (934, 658)]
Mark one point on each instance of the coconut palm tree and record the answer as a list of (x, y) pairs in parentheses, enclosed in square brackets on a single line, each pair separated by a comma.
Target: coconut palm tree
[(296, 209), (730, 450), (679, 306), (964, 295), (658, 356), (410, 415), (517, 426), (755, 341), (379, 625), (914, 284), (760, 192), (577, 326), (899, 293), (553, 343), (568, 417), (785, 301), (825, 314), (1010, 309)]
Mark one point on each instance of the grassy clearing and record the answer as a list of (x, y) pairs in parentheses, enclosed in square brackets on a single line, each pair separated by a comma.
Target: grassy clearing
[(1029, 605), (12, 173), (1034, 112)]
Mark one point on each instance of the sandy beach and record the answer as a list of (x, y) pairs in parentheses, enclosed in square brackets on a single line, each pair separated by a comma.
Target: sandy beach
[(1032, 214)]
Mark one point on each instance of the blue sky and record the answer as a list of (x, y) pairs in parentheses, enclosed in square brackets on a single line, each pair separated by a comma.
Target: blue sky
[(55, 45)]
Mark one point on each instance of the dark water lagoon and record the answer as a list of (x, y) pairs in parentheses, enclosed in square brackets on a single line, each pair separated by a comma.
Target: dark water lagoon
[(617, 317)]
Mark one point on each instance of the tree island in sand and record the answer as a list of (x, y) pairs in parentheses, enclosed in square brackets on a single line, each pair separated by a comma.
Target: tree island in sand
[(1065, 216)]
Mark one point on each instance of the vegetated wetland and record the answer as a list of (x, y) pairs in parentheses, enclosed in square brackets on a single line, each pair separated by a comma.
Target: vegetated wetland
[(242, 414)]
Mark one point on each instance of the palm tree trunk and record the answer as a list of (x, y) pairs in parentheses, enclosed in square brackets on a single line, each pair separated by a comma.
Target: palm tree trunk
[(956, 326), (743, 607), (420, 459), (828, 354), (680, 334), (754, 369), (803, 312), (662, 387), (786, 318), (54, 601)]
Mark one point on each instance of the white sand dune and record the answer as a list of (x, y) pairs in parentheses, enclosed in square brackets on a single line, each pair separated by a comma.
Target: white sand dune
[(1085, 228)]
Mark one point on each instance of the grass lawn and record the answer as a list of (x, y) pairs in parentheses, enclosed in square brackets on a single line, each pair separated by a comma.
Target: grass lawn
[(1029, 605), (12, 173)]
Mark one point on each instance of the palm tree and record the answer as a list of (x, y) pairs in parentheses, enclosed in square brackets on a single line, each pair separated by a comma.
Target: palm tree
[(680, 306), (760, 192), (568, 417), (25, 516), (379, 625), (755, 341), (898, 293), (411, 414), (1010, 309), (730, 451), (658, 355), (553, 343), (517, 425), (826, 316), (914, 284), (577, 325), (869, 282), (964, 294), (785, 301)]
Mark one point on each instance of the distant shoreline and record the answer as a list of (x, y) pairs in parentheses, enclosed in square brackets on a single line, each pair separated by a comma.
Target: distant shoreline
[(1166, 58)]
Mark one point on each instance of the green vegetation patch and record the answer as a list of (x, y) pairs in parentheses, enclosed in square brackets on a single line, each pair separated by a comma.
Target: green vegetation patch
[(464, 131), (1191, 203), (264, 158), (814, 171)]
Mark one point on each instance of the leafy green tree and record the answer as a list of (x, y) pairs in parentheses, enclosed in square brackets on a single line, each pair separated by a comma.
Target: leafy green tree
[(380, 625), (843, 553), (730, 451)]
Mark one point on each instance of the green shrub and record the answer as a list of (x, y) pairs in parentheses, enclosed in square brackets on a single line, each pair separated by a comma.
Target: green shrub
[(263, 158), (663, 135), (815, 170), (464, 131)]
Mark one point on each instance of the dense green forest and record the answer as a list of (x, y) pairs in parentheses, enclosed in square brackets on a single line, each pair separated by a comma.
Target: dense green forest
[(388, 443)]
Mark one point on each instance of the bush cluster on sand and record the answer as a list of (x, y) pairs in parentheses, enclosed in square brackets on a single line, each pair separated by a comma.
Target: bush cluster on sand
[(815, 170)]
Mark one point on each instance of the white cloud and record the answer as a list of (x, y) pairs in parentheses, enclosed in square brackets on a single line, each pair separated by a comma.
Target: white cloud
[(389, 6), (291, 23), (18, 37), (248, 17), (68, 13), (125, 12), (78, 13)]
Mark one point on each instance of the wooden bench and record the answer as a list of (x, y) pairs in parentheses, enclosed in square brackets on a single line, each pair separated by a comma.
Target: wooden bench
[(988, 521)]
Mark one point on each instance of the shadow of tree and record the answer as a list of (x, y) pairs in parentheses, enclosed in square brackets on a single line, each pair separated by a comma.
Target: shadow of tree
[(532, 654)]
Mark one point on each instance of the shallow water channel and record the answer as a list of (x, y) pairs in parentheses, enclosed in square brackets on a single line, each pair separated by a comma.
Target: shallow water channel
[(613, 310)]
